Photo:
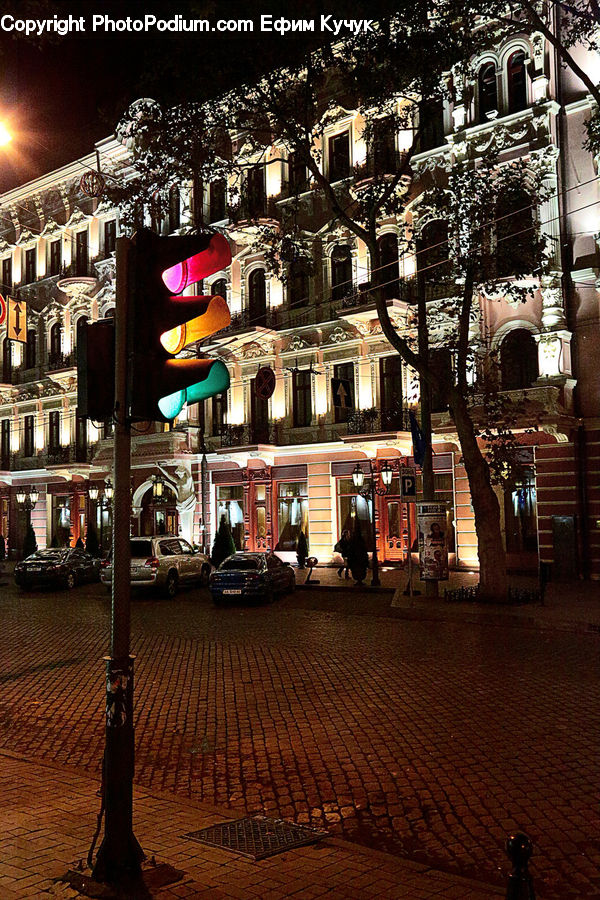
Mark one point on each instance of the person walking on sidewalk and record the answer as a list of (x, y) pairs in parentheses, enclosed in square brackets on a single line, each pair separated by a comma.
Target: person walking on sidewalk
[(342, 547)]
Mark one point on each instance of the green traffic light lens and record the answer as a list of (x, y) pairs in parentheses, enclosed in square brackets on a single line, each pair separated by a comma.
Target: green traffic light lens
[(171, 405), (215, 382)]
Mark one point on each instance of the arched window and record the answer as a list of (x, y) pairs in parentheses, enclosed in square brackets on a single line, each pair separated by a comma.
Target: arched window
[(433, 253), (487, 91), (81, 323), (298, 283), (341, 271), (31, 349), (518, 360), (517, 85), (390, 272), (257, 297), (6, 362), (55, 341), (219, 288)]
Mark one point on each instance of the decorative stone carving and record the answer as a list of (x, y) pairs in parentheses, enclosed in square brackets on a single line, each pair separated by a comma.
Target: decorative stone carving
[(553, 315), (297, 343), (339, 335)]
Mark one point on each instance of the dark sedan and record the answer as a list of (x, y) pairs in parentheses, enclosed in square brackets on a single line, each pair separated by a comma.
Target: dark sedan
[(250, 576), (61, 568)]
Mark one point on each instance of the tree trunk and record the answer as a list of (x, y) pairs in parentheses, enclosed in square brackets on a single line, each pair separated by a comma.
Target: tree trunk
[(493, 579)]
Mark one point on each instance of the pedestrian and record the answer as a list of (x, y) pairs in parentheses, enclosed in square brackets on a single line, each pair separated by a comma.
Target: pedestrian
[(342, 547)]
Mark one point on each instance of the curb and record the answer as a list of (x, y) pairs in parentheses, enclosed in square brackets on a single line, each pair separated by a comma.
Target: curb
[(457, 881)]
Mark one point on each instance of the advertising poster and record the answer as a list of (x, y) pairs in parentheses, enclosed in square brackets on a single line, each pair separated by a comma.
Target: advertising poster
[(432, 524)]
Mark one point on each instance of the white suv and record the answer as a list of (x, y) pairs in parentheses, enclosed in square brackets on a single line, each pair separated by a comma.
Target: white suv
[(163, 561)]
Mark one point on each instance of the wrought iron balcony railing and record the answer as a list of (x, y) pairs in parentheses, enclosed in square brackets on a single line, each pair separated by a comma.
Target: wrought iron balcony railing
[(374, 421), (61, 360)]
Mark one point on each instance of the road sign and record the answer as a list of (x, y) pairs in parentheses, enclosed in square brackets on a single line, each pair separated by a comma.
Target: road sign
[(264, 383), (17, 321), (2, 309), (342, 395), (408, 485)]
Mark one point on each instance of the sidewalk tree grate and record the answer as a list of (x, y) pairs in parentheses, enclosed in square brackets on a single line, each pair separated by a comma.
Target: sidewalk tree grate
[(258, 836)]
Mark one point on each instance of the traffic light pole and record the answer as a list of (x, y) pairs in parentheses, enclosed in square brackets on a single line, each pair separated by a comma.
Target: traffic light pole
[(119, 857)]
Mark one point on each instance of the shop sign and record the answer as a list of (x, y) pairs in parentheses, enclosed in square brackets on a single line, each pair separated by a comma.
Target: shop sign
[(432, 524)]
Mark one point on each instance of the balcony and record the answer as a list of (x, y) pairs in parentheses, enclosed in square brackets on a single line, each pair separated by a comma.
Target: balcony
[(246, 435), (60, 455), (58, 361), (374, 421)]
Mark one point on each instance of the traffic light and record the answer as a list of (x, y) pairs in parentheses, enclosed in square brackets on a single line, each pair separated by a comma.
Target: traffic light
[(96, 370), (162, 322)]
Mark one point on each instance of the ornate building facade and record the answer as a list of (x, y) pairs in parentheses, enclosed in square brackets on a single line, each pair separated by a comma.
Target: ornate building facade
[(278, 466)]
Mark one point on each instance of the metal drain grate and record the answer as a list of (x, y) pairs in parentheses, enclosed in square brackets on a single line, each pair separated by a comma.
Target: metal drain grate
[(258, 836)]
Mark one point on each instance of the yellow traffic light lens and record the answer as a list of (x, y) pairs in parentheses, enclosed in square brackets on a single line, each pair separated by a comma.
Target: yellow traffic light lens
[(174, 340)]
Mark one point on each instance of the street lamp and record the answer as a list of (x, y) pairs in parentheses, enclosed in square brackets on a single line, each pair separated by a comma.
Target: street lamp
[(5, 135), (108, 490), (368, 491), (27, 499), (158, 489)]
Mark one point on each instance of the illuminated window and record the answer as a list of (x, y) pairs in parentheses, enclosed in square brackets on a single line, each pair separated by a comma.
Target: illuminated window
[(350, 506), (292, 513), (230, 505)]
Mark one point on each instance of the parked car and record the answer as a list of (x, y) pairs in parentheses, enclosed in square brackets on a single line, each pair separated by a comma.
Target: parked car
[(62, 567), (163, 561), (246, 576)]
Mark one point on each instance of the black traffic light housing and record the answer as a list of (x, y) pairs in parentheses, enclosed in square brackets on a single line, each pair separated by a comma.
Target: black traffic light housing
[(161, 322)]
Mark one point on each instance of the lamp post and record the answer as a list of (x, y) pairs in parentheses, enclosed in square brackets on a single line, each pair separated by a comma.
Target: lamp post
[(103, 497), (26, 500), (368, 492)]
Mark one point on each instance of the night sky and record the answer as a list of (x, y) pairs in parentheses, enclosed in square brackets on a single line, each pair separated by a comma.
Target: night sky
[(61, 94)]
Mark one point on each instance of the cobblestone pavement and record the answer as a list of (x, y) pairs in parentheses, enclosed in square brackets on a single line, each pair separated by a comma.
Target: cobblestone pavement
[(431, 739)]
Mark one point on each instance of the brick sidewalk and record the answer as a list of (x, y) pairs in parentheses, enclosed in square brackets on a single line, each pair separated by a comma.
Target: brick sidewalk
[(571, 606), (47, 820)]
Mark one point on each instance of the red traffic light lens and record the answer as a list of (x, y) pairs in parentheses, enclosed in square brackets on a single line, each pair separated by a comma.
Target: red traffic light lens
[(216, 257)]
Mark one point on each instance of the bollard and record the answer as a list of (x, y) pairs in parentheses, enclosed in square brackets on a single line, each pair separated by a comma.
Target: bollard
[(519, 849), (311, 562)]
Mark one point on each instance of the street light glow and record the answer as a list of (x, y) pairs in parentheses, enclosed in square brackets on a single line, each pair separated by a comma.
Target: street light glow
[(5, 135)]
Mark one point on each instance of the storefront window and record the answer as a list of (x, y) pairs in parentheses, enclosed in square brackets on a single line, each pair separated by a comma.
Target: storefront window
[(351, 505), (61, 521), (230, 504), (292, 513)]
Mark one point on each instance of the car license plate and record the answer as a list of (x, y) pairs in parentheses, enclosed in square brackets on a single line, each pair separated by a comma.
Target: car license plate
[(35, 568), (231, 591)]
